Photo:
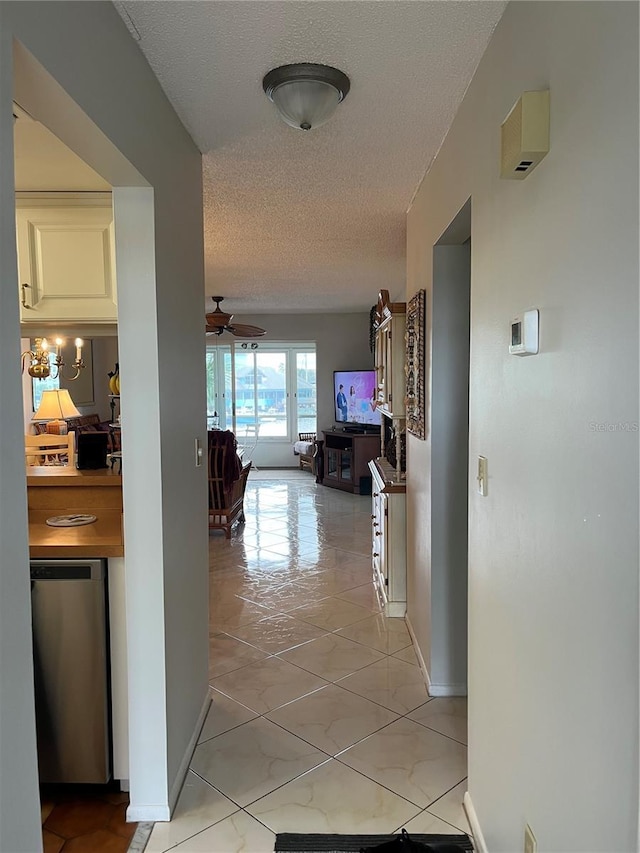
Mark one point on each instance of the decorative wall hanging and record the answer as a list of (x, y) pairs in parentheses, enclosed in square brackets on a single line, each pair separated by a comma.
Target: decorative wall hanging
[(415, 400)]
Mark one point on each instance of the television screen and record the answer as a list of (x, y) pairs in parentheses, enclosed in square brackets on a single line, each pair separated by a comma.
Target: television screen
[(354, 395)]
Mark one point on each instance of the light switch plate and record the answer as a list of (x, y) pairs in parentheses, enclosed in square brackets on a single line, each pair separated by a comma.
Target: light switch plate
[(483, 476), (198, 453)]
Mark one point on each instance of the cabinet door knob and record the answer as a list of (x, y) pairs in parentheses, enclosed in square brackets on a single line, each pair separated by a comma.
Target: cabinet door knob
[(376, 494), (375, 554), (372, 517), (377, 533)]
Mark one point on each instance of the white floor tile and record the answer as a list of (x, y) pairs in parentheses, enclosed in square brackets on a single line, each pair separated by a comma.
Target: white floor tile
[(332, 718), (387, 634), (224, 714), (393, 683), (254, 759), (199, 806), (239, 833), (278, 633), (447, 715), (449, 807), (415, 762), (334, 799), (296, 635), (268, 684), (333, 657)]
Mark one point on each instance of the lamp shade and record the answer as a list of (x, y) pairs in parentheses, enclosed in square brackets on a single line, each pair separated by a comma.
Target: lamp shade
[(307, 94), (56, 405)]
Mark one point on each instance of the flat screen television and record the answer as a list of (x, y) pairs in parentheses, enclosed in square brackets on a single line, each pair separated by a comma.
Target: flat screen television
[(354, 397)]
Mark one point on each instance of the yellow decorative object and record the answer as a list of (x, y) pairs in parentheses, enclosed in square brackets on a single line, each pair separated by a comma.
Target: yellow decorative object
[(114, 381)]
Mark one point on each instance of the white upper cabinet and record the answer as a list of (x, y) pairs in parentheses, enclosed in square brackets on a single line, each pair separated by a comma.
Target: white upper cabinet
[(390, 355), (66, 261)]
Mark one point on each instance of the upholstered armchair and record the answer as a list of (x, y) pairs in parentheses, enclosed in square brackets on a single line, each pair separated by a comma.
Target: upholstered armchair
[(227, 481)]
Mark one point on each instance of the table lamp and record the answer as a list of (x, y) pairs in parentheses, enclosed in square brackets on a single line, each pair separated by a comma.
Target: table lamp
[(55, 407)]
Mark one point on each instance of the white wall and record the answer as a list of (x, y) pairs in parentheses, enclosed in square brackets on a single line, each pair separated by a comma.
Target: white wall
[(120, 123), (19, 802), (342, 343), (553, 587)]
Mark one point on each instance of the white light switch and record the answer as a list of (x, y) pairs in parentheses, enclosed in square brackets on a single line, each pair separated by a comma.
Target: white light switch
[(198, 453), (483, 476)]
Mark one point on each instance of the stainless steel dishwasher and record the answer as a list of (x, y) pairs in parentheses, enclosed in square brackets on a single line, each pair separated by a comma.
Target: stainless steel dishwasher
[(71, 670)]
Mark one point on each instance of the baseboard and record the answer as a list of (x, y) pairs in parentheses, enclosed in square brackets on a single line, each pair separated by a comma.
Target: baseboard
[(149, 813), (395, 608), (432, 688), (416, 649), (155, 812), (178, 782), (478, 838), (447, 689)]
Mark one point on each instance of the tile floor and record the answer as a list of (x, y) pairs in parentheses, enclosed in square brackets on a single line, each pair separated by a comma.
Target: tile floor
[(85, 819), (320, 721)]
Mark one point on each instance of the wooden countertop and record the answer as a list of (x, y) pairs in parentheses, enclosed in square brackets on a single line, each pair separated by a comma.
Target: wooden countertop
[(103, 538), (69, 475), (62, 490)]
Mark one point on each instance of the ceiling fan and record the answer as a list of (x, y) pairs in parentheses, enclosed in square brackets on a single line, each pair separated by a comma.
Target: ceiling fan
[(219, 321)]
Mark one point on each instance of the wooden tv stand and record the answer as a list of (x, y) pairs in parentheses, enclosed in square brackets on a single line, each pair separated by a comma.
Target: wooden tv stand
[(346, 460)]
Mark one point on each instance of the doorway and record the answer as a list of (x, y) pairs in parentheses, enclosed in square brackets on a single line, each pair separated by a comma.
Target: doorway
[(450, 456)]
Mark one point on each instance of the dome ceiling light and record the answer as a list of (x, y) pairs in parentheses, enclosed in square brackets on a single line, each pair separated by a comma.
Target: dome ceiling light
[(306, 94)]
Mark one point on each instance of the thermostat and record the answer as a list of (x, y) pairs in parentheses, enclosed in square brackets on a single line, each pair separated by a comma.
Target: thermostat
[(524, 334)]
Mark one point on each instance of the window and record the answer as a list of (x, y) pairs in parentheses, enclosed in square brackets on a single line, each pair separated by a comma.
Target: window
[(268, 386), (40, 385)]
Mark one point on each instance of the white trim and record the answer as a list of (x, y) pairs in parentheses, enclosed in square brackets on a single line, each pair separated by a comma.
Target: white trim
[(433, 689), (395, 608), (156, 813), (151, 812), (186, 760), (479, 843), (416, 648), (448, 689)]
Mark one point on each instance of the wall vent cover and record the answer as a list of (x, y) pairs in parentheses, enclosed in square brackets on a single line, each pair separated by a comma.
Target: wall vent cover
[(525, 135)]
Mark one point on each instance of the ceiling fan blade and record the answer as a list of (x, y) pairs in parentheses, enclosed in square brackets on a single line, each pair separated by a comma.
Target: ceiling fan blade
[(243, 331)]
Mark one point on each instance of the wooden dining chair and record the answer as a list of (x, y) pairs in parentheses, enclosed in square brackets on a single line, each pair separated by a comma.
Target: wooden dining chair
[(49, 449), (227, 482)]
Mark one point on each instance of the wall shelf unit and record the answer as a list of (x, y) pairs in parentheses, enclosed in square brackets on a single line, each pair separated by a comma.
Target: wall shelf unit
[(388, 535), (388, 510)]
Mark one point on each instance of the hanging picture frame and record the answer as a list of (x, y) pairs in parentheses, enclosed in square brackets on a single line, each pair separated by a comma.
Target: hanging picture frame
[(414, 365)]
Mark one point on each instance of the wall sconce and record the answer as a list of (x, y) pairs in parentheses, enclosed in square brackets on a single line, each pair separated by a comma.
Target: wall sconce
[(44, 362)]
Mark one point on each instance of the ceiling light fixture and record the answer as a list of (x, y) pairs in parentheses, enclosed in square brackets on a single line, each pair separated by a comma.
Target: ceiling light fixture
[(306, 94)]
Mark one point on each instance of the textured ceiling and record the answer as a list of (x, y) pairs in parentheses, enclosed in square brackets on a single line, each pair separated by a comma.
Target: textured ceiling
[(311, 221)]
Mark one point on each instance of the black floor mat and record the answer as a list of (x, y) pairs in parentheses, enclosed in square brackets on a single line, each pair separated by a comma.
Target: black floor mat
[(291, 842)]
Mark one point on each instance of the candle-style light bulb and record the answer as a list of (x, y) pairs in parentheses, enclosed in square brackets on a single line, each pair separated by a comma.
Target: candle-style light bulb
[(78, 349), (56, 348), (44, 344)]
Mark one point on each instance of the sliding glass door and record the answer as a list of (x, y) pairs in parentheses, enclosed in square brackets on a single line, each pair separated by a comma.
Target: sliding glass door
[(263, 388)]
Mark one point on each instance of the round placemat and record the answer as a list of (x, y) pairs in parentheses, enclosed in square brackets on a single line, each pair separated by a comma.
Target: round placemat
[(71, 520)]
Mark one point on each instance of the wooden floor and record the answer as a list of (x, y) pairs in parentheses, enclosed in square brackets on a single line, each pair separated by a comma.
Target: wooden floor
[(85, 819)]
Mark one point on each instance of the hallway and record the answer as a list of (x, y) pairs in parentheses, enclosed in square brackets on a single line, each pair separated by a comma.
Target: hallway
[(320, 721)]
